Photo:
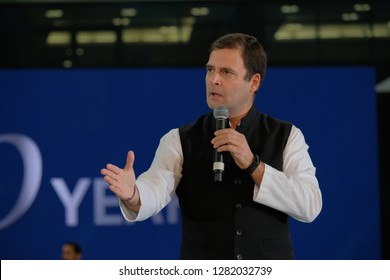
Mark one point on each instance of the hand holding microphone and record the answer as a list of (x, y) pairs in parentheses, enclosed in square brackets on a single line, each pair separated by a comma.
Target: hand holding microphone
[(232, 141), (221, 115)]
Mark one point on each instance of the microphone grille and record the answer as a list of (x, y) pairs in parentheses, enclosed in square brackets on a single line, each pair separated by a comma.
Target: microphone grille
[(221, 112)]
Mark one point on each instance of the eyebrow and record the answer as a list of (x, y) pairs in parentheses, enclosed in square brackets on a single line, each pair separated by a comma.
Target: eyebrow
[(223, 68)]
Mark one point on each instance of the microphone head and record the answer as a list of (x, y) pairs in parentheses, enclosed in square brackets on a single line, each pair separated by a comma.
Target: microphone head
[(221, 112)]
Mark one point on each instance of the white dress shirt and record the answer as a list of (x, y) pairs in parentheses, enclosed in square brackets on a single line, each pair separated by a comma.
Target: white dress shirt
[(294, 191)]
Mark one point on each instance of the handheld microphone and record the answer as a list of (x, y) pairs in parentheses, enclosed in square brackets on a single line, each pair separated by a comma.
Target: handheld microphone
[(221, 114)]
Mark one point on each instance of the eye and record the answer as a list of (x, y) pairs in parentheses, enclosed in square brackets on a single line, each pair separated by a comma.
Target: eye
[(227, 72)]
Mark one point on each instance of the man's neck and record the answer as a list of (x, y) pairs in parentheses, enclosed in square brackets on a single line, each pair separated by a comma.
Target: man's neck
[(236, 120)]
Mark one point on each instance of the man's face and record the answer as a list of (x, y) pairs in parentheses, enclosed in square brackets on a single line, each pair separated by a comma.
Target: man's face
[(68, 253), (226, 84)]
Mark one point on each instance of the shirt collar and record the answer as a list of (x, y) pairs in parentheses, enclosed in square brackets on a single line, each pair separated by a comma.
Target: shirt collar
[(247, 121)]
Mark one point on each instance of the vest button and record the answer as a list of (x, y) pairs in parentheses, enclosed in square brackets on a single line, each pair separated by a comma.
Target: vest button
[(239, 231), (239, 257), (238, 206), (237, 181)]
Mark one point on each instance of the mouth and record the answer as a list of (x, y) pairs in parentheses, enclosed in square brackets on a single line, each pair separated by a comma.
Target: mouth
[(215, 94)]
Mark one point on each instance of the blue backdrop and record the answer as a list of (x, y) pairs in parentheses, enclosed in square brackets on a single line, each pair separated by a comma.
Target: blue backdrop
[(58, 128)]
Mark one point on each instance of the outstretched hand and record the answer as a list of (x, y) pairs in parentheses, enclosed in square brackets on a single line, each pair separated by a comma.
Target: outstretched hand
[(122, 181)]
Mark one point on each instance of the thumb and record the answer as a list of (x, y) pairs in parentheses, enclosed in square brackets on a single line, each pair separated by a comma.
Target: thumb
[(129, 161)]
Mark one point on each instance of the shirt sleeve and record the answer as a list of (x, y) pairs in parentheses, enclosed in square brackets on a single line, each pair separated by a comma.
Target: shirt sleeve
[(295, 191), (158, 184)]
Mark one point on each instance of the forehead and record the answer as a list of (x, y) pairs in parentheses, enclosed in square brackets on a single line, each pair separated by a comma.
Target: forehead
[(226, 58)]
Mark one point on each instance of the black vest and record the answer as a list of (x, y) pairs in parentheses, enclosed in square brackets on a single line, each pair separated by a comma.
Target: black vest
[(221, 220)]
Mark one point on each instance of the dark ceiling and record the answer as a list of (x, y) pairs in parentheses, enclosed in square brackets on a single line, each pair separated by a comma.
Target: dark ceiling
[(178, 33)]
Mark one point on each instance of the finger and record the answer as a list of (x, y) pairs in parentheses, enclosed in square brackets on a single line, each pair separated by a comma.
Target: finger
[(129, 161), (110, 180), (219, 142), (109, 173), (218, 138), (222, 140), (224, 130), (227, 133), (114, 189), (224, 148), (113, 168)]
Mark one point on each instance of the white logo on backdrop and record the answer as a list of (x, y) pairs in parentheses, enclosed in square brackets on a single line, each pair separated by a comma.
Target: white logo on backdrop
[(32, 164)]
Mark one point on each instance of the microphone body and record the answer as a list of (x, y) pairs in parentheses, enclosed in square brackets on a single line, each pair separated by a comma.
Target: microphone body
[(220, 114)]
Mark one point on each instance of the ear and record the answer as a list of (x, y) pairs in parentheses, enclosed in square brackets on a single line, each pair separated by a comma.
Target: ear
[(255, 82)]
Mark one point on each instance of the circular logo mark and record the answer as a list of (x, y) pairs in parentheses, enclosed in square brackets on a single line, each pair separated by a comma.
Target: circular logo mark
[(32, 165)]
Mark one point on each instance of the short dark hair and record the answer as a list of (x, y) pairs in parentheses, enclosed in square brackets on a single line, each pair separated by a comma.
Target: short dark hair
[(253, 54), (76, 246)]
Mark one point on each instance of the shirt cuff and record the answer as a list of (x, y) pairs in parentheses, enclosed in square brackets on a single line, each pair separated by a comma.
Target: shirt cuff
[(260, 192)]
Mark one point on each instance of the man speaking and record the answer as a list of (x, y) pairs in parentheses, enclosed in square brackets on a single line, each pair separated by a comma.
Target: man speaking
[(264, 171)]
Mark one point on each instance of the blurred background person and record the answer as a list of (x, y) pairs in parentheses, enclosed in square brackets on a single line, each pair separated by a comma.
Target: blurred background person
[(71, 251)]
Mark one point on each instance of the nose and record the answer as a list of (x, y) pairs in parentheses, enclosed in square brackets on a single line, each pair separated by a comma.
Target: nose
[(216, 80)]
